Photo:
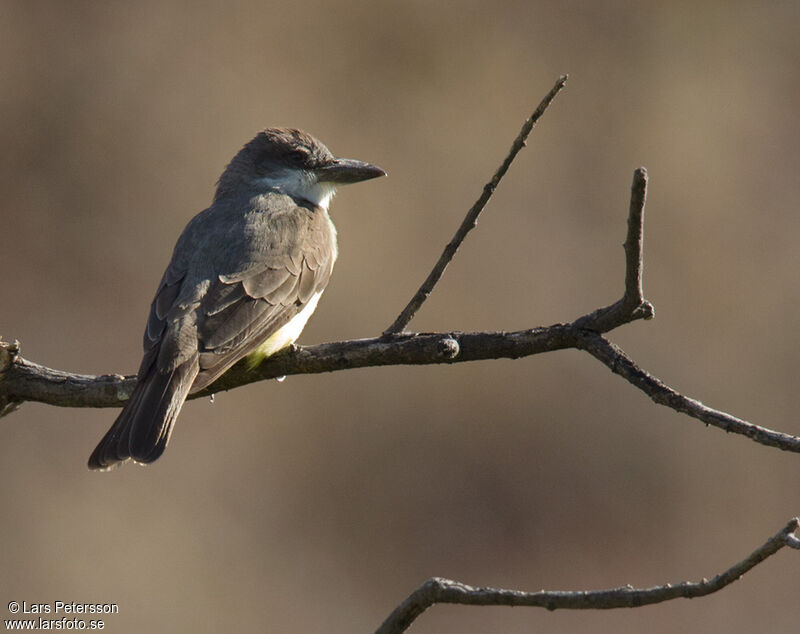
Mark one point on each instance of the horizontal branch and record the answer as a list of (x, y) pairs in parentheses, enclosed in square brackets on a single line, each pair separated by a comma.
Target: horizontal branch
[(22, 380), (26, 381), (438, 590)]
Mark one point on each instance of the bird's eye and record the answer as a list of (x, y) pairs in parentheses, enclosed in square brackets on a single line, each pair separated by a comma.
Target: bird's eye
[(299, 156)]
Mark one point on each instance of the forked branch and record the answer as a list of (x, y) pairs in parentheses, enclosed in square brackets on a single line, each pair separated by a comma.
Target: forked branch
[(22, 380)]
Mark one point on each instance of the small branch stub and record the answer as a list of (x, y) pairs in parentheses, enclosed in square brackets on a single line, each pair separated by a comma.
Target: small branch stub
[(9, 351), (8, 354), (448, 348)]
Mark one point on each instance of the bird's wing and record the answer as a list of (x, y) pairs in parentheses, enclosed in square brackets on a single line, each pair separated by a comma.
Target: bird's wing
[(241, 310)]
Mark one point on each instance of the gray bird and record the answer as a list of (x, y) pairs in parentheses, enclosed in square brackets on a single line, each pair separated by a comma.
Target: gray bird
[(244, 278)]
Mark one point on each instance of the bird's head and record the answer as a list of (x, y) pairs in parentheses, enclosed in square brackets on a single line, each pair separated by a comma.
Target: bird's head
[(294, 163)]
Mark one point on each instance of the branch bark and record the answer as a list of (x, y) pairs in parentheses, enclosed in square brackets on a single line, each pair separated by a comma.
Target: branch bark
[(437, 590)]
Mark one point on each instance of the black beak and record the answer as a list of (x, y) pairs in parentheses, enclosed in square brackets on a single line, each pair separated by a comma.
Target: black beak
[(345, 171)]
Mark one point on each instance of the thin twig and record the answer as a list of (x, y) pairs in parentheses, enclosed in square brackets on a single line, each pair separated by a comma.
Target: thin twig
[(619, 363), (471, 219), (634, 242), (439, 590), (633, 304)]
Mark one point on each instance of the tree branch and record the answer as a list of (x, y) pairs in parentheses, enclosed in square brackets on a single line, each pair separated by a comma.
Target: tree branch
[(633, 304), (619, 363), (471, 219), (21, 380), (437, 590)]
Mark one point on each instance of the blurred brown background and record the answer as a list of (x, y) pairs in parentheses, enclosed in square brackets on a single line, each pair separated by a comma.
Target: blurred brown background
[(317, 504)]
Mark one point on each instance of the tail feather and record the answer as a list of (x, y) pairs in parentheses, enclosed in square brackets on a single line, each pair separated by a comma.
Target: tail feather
[(143, 428)]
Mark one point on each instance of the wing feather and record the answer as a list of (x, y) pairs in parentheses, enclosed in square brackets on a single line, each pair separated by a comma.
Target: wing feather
[(221, 296), (265, 282), (165, 299), (221, 329), (285, 294), (307, 284)]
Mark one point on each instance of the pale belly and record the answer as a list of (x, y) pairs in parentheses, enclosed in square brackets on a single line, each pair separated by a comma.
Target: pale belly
[(286, 335)]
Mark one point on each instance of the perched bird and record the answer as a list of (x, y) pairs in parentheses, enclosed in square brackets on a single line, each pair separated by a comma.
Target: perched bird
[(244, 278)]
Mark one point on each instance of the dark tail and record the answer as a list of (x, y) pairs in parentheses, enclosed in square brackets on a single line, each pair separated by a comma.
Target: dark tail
[(143, 428)]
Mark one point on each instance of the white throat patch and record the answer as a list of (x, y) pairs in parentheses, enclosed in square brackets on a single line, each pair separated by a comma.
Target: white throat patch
[(300, 184)]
